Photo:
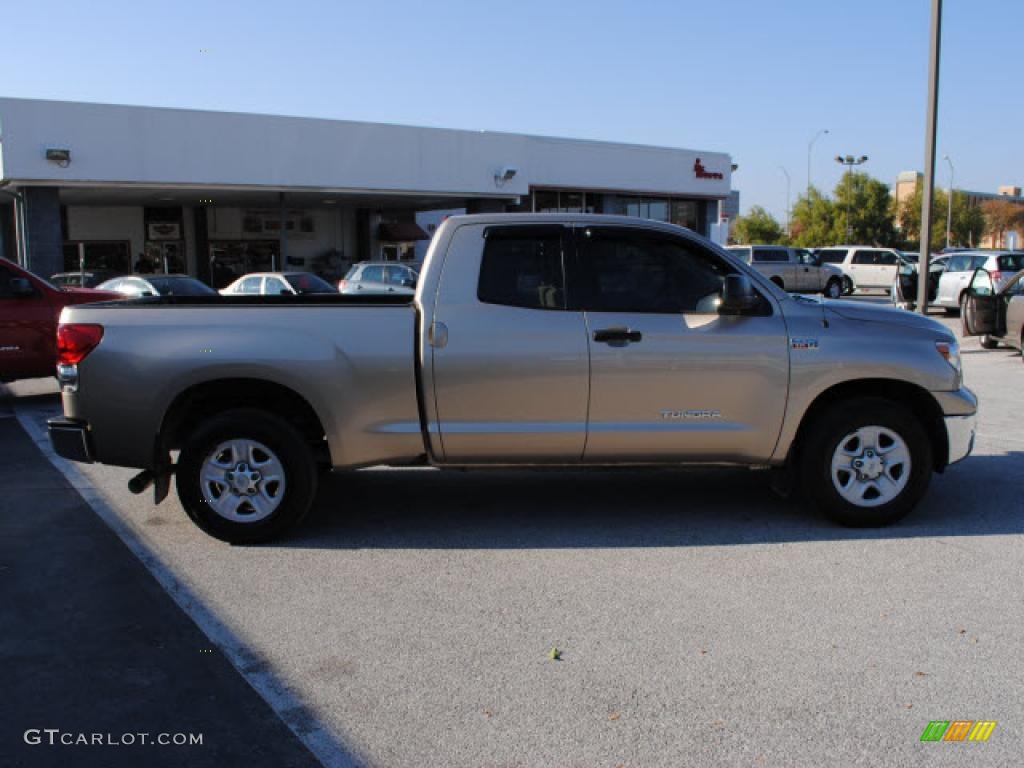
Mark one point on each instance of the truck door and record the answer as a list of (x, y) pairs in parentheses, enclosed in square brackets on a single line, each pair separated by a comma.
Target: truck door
[(670, 378), (27, 329), (509, 360), (984, 309), (808, 273)]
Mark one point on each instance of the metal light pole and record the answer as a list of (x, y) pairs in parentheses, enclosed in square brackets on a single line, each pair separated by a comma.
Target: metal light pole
[(929, 157), (849, 161), (949, 204), (810, 146), (787, 198)]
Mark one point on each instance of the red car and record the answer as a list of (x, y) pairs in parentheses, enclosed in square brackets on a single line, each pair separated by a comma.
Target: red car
[(29, 310)]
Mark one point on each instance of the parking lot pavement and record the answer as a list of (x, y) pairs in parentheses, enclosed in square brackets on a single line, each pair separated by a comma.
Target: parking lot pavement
[(701, 620), (91, 644)]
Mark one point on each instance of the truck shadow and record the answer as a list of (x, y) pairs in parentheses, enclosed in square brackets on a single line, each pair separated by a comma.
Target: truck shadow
[(516, 509)]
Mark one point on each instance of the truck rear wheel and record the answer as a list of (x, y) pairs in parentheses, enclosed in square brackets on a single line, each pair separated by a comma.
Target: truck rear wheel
[(833, 289), (246, 476), (866, 462)]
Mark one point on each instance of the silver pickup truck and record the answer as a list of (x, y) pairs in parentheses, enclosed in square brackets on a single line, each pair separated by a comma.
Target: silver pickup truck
[(793, 269), (532, 339)]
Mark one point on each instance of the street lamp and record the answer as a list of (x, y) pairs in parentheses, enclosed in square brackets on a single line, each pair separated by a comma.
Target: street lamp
[(949, 204), (810, 146), (787, 197), (849, 161)]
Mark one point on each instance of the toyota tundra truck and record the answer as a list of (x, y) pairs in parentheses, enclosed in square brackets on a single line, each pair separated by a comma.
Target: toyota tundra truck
[(532, 340)]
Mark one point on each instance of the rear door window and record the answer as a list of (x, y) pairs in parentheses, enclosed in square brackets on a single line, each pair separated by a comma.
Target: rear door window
[(373, 274), (523, 267), (865, 257)]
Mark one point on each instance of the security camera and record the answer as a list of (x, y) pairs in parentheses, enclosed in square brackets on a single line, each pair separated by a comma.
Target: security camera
[(506, 173)]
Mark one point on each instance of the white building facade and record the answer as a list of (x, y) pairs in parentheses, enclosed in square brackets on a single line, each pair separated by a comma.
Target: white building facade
[(216, 194)]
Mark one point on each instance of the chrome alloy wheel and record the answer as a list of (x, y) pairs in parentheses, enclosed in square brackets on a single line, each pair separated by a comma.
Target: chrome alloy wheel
[(871, 466), (242, 481)]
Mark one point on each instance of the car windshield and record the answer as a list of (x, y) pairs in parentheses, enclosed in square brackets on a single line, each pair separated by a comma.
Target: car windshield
[(180, 286), (304, 282)]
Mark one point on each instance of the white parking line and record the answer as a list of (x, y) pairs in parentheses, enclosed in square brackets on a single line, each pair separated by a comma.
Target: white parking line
[(292, 711)]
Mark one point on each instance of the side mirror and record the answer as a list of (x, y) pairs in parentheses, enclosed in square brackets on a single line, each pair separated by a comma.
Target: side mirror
[(284, 292), (408, 283), (738, 296), (21, 287)]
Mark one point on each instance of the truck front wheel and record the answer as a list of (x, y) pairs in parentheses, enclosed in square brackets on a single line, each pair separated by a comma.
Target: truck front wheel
[(866, 462), (246, 476)]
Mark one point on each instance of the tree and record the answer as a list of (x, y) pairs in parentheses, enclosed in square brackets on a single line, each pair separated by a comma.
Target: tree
[(758, 226), (869, 206), (1002, 216), (812, 222), (966, 228)]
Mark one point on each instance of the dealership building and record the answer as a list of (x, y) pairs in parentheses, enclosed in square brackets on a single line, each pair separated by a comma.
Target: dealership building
[(218, 194)]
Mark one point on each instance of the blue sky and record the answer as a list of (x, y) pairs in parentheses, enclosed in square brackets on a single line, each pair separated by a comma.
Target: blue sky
[(755, 79)]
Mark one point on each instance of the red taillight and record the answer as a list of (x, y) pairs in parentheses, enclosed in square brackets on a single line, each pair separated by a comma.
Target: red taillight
[(75, 341), (341, 285), (996, 277)]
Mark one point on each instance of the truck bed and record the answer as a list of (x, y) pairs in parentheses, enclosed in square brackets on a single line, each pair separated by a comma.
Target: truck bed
[(351, 358)]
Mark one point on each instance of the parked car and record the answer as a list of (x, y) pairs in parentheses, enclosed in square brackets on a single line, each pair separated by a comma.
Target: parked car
[(792, 269), (654, 347), (904, 287), (140, 286), (865, 267), (960, 268), (994, 310), (277, 283), (380, 277), (81, 279), (29, 309)]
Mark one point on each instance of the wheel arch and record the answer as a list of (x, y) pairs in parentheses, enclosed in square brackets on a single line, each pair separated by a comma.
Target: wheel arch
[(206, 399), (917, 399)]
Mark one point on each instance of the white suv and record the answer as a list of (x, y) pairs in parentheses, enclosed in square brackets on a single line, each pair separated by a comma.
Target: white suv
[(864, 266), (1001, 265)]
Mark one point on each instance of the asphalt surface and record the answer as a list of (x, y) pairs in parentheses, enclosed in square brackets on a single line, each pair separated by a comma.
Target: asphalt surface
[(91, 644), (701, 620)]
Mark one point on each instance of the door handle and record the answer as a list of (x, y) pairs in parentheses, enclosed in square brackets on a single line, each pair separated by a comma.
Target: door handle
[(621, 335)]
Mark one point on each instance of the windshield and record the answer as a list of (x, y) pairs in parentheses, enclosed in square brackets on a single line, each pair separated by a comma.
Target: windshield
[(304, 282), (179, 286)]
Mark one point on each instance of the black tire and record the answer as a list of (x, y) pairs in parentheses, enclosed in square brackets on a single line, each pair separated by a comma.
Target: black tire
[(823, 440), (987, 342), (778, 282), (847, 286), (833, 288), (290, 449)]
